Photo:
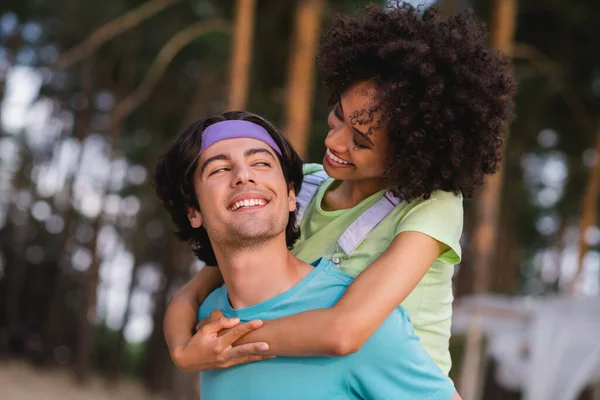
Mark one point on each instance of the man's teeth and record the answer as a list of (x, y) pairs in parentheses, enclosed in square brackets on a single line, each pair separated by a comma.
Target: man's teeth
[(247, 203), (336, 159)]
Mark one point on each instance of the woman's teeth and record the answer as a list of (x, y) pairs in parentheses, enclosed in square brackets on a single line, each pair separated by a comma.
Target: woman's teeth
[(336, 159), (247, 203)]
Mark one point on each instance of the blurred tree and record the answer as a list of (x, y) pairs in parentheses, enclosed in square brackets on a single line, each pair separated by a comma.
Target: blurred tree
[(589, 214), (164, 63), (448, 7), (487, 213), (241, 53), (301, 73)]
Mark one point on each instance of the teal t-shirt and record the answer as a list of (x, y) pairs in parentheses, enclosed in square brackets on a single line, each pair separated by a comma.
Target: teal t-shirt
[(391, 365)]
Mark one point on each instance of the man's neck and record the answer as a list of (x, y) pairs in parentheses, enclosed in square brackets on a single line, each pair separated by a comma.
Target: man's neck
[(259, 273)]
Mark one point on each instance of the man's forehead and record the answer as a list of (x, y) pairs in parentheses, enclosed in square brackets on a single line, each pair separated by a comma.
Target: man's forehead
[(233, 146)]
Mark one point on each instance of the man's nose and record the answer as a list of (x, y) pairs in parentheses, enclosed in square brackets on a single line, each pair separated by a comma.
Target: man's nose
[(243, 175)]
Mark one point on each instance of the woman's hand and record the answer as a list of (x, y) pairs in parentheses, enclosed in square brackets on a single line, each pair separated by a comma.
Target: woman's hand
[(211, 347)]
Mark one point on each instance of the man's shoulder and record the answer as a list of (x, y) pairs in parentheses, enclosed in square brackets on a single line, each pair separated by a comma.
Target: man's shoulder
[(321, 289), (329, 275), (215, 301), (325, 287)]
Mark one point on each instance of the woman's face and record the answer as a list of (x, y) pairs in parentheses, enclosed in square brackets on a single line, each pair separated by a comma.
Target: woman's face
[(356, 144)]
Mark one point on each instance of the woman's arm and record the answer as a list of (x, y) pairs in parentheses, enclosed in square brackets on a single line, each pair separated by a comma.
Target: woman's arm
[(345, 327), (208, 348)]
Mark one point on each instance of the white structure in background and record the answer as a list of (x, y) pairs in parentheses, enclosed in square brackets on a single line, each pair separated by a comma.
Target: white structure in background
[(546, 347)]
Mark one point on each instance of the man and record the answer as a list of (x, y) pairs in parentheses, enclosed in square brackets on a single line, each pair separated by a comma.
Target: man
[(237, 207)]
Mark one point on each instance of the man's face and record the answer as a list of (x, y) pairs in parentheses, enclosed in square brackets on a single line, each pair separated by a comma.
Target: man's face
[(243, 196)]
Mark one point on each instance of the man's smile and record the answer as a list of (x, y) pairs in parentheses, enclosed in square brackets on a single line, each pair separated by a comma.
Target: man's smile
[(247, 202)]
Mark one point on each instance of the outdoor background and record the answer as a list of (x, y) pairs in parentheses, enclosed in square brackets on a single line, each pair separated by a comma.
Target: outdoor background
[(92, 91)]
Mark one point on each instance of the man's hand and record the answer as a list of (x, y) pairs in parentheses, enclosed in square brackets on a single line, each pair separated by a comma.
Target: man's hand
[(210, 348)]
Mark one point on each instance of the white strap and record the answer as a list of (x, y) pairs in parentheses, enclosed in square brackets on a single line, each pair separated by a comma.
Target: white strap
[(310, 185), (366, 222), (358, 231)]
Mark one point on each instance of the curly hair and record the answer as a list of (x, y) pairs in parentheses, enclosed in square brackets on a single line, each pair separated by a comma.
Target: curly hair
[(174, 179), (446, 99)]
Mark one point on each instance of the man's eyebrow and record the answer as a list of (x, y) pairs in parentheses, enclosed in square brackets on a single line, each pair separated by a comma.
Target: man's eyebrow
[(258, 150), (218, 157)]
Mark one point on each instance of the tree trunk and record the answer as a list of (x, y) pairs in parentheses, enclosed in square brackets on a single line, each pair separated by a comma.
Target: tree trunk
[(487, 213), (301, 76), (589, 213), (448, 7), (116, 367), (463, 282), (596, 391), (506, 274), (199, 105), (53, 324), (16, 278), (559, 244), (241, 53), (87, 313), (17, 274), (157, 362), (505, 278)]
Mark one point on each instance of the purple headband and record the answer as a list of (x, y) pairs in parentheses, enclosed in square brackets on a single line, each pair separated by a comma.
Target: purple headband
[(233, 129)]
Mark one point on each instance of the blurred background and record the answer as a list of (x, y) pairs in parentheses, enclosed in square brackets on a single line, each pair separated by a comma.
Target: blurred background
[(92, 92)]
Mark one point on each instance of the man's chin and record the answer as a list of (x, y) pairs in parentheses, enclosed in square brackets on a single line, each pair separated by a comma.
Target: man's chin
[(245, 230), (240, 240), (250, 231)]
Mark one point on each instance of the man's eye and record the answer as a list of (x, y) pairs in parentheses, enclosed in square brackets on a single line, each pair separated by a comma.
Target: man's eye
[(262, 164), (219, 170)]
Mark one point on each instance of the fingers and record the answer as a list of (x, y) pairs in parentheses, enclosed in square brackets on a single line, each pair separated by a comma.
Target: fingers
[(220, 324), (245, 350), (245, 360), (234, 334), (215, 315)]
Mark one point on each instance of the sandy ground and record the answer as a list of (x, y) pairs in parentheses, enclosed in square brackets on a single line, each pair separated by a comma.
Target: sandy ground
[(21, 381)]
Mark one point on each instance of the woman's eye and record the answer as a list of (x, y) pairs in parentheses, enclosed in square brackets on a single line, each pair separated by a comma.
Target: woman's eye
[(262, 164), (359, 145), (337, 112)]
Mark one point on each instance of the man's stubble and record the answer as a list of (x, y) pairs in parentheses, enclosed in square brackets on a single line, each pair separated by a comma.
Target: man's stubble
[(251, 232)]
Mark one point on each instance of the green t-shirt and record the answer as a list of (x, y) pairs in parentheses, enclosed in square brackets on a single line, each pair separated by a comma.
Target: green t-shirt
[(441, 217)]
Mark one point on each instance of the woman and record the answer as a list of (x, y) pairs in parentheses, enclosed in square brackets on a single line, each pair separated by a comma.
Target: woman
[(419, 108)]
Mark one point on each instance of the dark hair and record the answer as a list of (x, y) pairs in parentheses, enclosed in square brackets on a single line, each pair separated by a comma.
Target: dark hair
[(174, 179), (446, 99)]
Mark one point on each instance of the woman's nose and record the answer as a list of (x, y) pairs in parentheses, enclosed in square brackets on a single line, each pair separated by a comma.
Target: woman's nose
[(336, 140)]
